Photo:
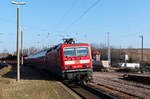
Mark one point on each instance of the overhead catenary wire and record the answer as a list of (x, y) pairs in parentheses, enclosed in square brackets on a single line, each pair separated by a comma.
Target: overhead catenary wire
[(82, 15), (60, 21), (135, 33), (67, 12)]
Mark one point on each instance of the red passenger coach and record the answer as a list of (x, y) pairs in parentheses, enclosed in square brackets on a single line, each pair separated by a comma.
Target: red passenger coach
[(70, 61)]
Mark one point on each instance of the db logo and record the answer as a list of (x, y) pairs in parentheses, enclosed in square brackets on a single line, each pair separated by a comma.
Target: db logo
[(77, 62)]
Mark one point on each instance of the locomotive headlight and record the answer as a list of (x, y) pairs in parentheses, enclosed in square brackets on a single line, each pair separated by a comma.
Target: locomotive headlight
[(88, 65), (66, 67), (84, 66), (70, 67)]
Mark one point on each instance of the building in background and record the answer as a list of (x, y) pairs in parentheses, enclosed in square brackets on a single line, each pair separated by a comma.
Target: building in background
[(96, 55), (124, 57)]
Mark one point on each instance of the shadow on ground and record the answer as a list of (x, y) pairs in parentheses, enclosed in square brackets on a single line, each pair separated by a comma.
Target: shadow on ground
[(28, 73)]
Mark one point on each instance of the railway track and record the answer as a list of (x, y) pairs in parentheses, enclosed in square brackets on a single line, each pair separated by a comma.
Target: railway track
[(89, 92), (123, 89), (139, 78)]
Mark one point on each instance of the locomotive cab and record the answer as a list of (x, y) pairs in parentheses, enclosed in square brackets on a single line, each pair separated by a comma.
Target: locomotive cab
[(77, 62)]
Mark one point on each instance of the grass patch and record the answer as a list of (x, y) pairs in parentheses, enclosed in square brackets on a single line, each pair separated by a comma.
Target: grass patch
[(5, 70), (32, 85)]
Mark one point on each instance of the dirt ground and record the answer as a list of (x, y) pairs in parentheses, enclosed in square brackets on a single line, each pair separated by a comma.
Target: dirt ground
[(34, 84)]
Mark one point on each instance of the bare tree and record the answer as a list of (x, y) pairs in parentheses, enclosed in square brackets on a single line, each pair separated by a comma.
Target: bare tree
[(5, 53)]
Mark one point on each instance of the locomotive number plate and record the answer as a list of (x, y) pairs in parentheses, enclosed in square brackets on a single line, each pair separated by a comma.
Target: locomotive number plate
[(77, 62), (78, 66)]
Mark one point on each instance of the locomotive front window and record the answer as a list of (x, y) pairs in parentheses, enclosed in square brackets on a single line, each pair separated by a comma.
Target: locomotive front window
[(75, 51), (82, 51), (69, 51)]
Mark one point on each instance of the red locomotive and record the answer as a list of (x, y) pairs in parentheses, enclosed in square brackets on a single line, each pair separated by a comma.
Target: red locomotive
[(71, 61)]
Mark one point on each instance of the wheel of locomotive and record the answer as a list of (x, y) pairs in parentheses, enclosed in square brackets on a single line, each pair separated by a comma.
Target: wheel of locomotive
[(83, 82)]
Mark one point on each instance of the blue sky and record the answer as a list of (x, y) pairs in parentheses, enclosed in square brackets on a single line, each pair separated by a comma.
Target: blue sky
[(46, 22)]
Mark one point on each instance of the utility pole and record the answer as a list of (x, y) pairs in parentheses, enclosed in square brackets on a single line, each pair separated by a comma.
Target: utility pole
[(18, 52), (21, 48), (18, 55), (141, 65), (109, 56), (120, 54), (141, 36)]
